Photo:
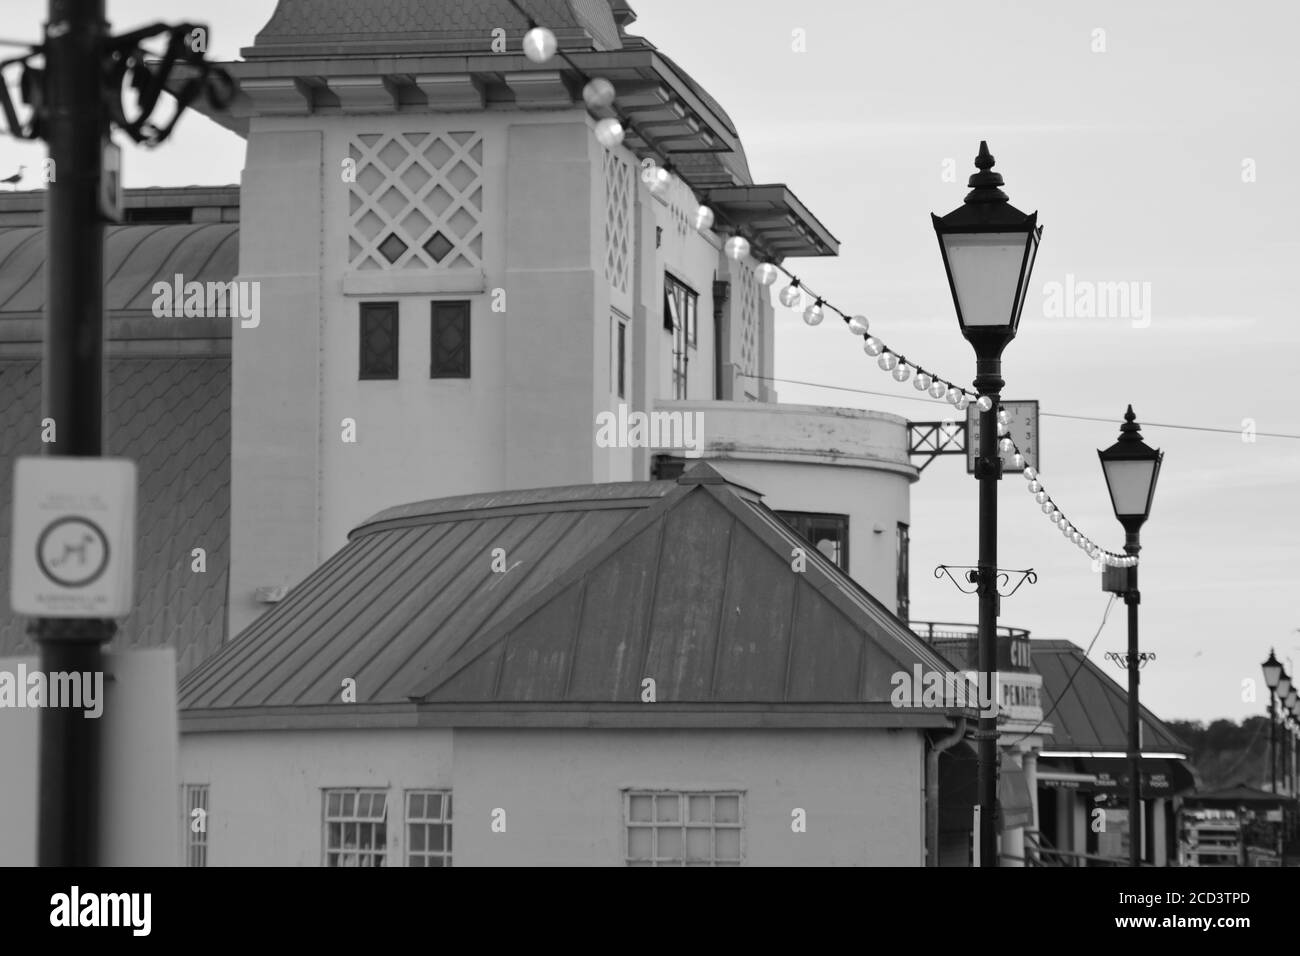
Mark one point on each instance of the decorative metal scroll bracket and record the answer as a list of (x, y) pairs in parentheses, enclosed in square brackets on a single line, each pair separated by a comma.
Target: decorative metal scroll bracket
[(971, 576), (1121, 658)]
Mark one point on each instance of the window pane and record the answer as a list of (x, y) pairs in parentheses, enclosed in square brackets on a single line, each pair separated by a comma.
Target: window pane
[(668, 809), (415, 861), (334, 837), (332, 803), (415, 805), (700, 811), (728, 844), (435, 838), (435, 861), (349, 804), (726, 809), (699, 841), (449, 339), (435, 807), (640, 809), (379, 335), (349, 836), (639, 842), (363, 805), (448, 816), (417, 837), (670, 843)]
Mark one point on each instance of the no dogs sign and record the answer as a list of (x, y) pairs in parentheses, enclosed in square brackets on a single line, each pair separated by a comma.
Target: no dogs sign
[(73, 548)]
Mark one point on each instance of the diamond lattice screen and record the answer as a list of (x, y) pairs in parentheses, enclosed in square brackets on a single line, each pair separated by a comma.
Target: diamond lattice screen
[(618, 225), (417, 202), (749, 344)]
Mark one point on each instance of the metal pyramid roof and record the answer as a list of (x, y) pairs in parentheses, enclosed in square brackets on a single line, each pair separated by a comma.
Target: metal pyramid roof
[(688, 583)]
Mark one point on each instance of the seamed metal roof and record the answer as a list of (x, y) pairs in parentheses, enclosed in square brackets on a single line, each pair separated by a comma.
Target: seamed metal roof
[(688, 583), (1091, 712), (135, 257)]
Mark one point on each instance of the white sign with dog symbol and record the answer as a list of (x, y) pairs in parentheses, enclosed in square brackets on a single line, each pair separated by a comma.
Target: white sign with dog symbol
[(73, 546)]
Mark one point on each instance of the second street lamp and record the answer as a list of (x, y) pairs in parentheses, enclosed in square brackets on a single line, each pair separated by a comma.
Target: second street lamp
[(1272, 674), (988, 249), (1131, 468)]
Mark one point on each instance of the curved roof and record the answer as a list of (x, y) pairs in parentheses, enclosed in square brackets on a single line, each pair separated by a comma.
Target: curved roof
[(593, 589), (135, 257)]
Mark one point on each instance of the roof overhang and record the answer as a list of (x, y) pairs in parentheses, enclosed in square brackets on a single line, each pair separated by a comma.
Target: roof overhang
[(774, 220), (670, 120), (568, 715)]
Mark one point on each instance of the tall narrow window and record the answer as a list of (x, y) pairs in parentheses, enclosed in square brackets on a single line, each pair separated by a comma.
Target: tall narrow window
[(680, 318), (449, 340), (904, 561), (621, 358), (829, 534), (379, 328), (195, 801)]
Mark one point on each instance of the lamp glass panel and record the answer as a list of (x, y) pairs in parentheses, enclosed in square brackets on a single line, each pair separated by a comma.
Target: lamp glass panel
[(985, 270), (1130, 485)]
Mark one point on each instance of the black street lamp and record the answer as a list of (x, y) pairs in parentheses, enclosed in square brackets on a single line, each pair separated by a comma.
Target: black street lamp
[(1272, 676), (1131, 467), (988, 249), (1292, 704), (1283, 694)]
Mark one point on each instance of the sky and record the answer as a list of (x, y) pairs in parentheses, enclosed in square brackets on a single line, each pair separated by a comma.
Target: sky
[(1152, 138)]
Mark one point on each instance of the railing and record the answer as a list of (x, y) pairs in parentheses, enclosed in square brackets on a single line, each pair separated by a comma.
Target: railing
[(930, 630), (1040, 852)]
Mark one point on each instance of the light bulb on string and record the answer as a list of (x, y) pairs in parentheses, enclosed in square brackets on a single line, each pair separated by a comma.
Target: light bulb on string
[(858, 325), (888, 361), (938, 389), (704, 219), (962, 402), (921, 382), (1040, 496), (790, 296), (984, 403), (1003, 417), (660, 180), (1030, 473), (737, 247), (813, 314), (1017, 460), (539, 44), (598, 93), (872, 346), (901, 372), (1035, 487), (766, 274), (609, 133), (1004, 445)]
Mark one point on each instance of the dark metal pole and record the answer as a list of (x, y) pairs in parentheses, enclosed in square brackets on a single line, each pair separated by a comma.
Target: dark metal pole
[(1272, 742), (75, 127), (1132, 597), (988, 381)]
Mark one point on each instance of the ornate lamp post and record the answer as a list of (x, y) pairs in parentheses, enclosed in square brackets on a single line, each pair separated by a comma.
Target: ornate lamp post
[(1131, 468), (1272, 675), (988, 249)]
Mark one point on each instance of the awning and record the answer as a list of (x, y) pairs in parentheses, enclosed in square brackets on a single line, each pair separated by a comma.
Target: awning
[(1161, 776), (1014, 799)]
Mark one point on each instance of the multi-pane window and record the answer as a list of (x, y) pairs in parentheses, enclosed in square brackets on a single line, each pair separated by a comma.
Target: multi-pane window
[(680, 317), (673, 828), (829, 534), (904, 562), (449, 340), (194, 800), (428, 828), (379, 328), (356, 827)]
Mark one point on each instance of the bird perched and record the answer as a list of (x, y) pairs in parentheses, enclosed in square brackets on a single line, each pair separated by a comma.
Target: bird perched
[(13, 180)]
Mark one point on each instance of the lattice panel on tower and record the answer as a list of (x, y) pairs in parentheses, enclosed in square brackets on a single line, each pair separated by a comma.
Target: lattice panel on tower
[(749, 326), (618, 223), (417, 202)]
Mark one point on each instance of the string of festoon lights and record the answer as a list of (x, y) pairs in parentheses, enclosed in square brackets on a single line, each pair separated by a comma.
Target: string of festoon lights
[(540, 45)]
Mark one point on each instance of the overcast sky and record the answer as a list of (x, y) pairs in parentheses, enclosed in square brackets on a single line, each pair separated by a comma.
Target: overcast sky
[(1138, 158)]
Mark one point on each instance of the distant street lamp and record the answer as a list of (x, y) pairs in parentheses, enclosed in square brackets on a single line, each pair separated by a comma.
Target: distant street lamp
[(1272, 677), (988, 249), (1131, 467), (1293, 705)]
